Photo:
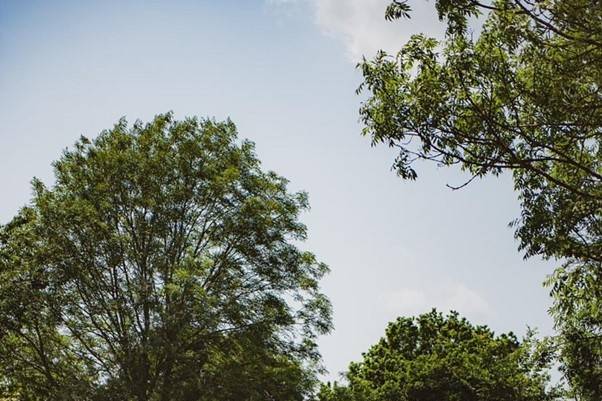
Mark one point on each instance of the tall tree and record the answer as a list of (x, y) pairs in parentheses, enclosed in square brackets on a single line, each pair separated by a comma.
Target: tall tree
[(434, 357), (161, 265), (522, 95)]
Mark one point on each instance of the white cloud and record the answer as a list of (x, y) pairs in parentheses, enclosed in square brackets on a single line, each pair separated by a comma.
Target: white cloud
[(361, 26), (456, 296)]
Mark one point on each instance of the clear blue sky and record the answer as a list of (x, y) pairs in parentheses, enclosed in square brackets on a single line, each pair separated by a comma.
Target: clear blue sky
[(283, 70)]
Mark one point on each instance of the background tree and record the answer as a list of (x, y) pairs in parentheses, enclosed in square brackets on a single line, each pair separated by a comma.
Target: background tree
[(160, 266), (523, 95), (436, 357)]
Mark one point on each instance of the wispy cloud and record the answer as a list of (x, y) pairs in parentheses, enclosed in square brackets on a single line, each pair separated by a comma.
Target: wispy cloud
[(456, 296), (361, 26)]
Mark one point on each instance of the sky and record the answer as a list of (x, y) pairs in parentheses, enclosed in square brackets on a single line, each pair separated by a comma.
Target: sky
[(284, 72)]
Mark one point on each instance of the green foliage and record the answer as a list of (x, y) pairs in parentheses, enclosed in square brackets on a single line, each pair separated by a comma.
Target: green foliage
[(436, 357), (160, 266), (522, 96), (577, 291), (519, 97)]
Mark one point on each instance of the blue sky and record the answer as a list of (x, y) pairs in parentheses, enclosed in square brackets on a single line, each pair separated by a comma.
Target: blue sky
[(284, 72)]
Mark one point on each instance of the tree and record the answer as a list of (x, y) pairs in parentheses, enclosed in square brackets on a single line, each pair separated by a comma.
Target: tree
[(521, 96), (577, 292), (436, 357), (161, 265)]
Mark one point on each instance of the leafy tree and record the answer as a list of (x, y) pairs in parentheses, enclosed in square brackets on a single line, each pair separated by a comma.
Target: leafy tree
[(522, 96), (436, 357), (161, 265), (577, 291)]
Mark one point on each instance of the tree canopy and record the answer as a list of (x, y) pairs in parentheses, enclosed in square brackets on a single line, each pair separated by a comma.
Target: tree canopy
[(161, 265), (434, 357), (522, 94)]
